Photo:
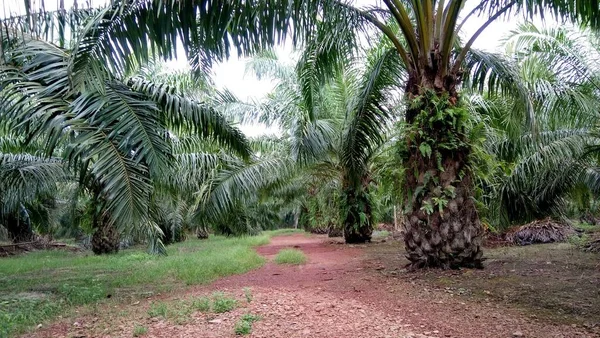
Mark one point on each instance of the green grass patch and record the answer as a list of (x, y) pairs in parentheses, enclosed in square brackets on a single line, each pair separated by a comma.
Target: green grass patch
[(139, 330), (179, 311), (579, 240), (201, 304), (284, 232), (290, 256), (223, 303), (248, 294), (244, 325), (38, 286), (159, 309), (250, 318), (587, 228)]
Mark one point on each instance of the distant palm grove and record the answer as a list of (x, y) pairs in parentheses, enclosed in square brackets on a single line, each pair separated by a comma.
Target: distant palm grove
[(388, 115)]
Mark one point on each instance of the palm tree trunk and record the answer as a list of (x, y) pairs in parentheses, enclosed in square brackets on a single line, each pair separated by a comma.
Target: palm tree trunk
[(358, 214), (202, 232), (105, 239), (442, 226), (18, 226)]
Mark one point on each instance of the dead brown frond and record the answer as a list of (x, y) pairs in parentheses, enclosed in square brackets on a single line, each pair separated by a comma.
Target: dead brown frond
[(540, 231), (593, 245)]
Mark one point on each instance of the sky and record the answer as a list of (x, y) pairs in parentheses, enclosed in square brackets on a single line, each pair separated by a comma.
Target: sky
[(231, 73)]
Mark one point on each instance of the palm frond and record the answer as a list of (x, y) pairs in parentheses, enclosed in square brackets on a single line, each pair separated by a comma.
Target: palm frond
[(497, 75), (192, 116), (130, 30), (129, 120), (125, 182), (577, 11), (238, 181), (367, 115), (23, 177)]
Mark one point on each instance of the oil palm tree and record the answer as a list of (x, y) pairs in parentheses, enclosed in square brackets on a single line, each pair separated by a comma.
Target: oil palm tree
[(442, 226), (332, 129), (551, 162), (28, 186), (113, 133)]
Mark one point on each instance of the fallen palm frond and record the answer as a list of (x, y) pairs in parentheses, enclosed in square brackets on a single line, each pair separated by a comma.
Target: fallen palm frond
[(540, 231), (593, 245), (319, 230), (39, 244), (335, 232)]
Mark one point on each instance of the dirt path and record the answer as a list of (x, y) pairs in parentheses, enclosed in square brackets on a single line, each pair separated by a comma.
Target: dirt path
[(339, 292)]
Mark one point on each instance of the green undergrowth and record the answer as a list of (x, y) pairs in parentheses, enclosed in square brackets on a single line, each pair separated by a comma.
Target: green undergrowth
[(244, 325), (139, 330), (180, 311), (36, 287), (290, 256), (587, 228)]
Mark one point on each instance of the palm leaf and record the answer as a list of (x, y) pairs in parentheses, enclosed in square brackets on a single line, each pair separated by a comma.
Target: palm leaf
[(367, 115), (192, 116), (23, 177)]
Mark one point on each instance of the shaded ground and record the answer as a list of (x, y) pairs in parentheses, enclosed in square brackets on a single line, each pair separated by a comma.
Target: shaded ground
[(556, 282), (359, 291)]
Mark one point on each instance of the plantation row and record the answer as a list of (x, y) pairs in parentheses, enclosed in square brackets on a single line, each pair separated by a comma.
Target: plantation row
[(410, 126)]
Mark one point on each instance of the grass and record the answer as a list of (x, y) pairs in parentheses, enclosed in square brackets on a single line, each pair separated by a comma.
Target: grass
[(159, 309), (579, 240), (179, 311), (244, 325), (139, 330), (201, 304), (286, 232), (38, 286), (248, 294), (381, 233), (223, 303), (587, 228), (290, 256)]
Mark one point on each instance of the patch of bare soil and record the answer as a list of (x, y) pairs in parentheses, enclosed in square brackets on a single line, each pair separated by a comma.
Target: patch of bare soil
[(549, 290), (342, 291)]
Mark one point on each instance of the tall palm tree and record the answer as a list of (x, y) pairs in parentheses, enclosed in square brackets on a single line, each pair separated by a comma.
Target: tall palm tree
[(333, 129)]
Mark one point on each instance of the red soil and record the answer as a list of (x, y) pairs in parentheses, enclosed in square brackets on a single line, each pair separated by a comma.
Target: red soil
[(337, 293)]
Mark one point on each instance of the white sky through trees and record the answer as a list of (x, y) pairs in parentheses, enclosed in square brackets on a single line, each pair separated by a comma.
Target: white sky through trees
[(231, 73)]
